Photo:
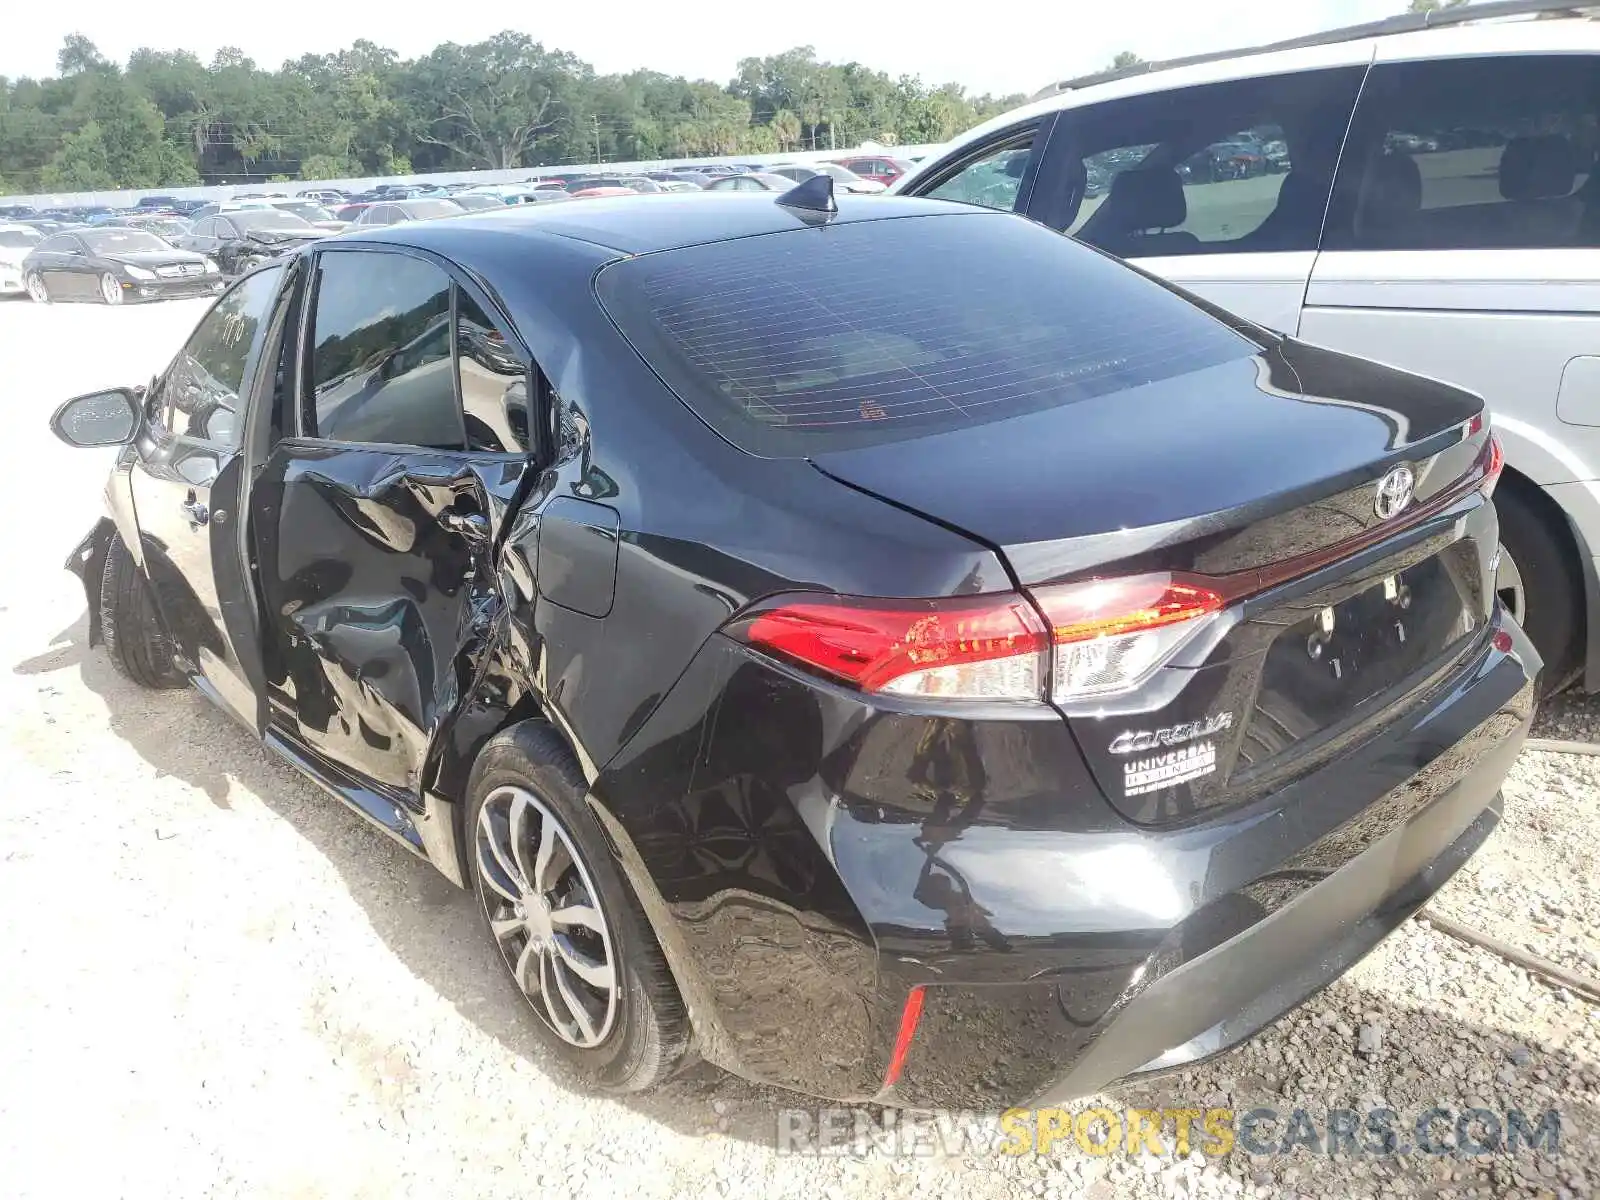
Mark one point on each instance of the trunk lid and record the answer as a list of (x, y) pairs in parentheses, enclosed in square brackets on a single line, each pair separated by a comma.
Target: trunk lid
[(1261, 475)]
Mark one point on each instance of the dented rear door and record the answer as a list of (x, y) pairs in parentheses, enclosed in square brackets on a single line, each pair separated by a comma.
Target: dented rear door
[(376, 525)]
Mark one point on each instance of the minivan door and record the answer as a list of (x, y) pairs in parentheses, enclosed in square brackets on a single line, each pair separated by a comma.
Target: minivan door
[(1463, 242), (1220, 188)]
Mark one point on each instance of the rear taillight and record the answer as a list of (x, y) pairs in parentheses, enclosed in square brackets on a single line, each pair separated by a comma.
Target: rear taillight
[(1110, 634), (977, 648), (1494, 462), (1103, 637)]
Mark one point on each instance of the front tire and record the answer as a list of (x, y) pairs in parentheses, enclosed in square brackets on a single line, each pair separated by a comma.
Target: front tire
[(135, 637), (110, 289), (37, 288), (1538, 582), (566, 923)]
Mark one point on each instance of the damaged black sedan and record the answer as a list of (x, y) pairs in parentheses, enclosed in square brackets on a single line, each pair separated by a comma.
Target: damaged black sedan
[(242, 239), (886, 648)]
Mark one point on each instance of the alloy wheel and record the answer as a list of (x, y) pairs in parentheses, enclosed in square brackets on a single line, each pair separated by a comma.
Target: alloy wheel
[(546, 916), (37, 289), (110, 289), (1509, 587)]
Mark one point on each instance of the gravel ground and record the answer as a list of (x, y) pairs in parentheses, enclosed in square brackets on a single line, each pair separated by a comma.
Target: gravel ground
[(218, 983)]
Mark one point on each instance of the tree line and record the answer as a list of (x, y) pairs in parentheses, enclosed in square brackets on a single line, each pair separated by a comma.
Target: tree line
[(166, 118)]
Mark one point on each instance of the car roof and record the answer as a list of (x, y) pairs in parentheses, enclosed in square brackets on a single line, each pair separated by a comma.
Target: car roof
[(669, 221), (1496, 27)]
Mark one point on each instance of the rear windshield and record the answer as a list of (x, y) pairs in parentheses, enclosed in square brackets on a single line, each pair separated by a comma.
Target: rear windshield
[(867, 332)]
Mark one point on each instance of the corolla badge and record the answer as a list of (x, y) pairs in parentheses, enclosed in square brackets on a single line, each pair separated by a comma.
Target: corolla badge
[(1138, 741), (1394, 493)]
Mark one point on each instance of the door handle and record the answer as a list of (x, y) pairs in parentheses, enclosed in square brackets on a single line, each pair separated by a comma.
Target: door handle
[(197, 512)]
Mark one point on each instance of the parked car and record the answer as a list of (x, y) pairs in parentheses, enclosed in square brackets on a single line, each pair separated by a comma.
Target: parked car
[(168, 229), (115, 266), (241, 240), (16, 241), (327, 197), (879, 168), (1477, 261), (161, 202), (1024, 732), (848, 180), (477, 201), (391, 212), (754, 181), (602, 190), (312, 212)]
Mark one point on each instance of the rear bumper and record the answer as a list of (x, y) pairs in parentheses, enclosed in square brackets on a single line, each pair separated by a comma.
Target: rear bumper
[(1285, 901), (808, 858)]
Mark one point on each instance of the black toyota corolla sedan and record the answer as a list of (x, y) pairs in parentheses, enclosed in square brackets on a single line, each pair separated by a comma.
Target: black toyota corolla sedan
[(112, 265), (886, 648)]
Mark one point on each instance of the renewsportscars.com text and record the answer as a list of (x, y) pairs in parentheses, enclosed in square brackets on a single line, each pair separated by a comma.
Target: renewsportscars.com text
[(1167, 1132)]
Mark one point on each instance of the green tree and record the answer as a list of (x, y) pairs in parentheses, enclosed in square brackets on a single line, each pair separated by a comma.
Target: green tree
[(1427, 6), (1123, 59), (325, 166), (81, 165), (785, 129), (489, 104)]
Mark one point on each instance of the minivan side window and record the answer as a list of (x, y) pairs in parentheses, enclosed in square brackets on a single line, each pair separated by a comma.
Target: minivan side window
[(1238, 167), (380, 361), (1471, 154)]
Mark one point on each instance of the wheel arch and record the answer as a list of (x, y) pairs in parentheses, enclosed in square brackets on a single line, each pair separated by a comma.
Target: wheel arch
[(1560, 524)]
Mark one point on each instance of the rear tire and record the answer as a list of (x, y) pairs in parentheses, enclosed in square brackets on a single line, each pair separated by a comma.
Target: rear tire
[(1550, 584), (645, 1035), (134, 635)]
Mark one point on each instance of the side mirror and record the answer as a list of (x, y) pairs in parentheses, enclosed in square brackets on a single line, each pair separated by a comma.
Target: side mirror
[(107, 418)]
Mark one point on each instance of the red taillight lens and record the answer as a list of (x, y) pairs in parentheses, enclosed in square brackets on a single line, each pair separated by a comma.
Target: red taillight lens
[(977, 648), (1494, 462), (1104, 636), (1110, 634)]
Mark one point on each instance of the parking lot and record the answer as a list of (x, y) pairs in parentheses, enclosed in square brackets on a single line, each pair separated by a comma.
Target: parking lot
[(219, 982)]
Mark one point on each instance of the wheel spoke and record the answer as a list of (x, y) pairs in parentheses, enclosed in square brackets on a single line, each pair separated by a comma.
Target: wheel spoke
[(595, 972), (520, 809), (573, 1001), (505, 927), (513, 876), (578, 914), (530, 953), (551, 864), (490, 868)]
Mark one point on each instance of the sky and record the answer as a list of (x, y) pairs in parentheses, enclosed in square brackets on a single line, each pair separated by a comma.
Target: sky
[(1035, 44)]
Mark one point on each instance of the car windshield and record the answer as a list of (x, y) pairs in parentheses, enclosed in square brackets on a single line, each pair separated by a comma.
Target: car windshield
[(18, 239), (423, 209), (116, 241), (839, 173), (268, 218), (886, 330), (480, 201)]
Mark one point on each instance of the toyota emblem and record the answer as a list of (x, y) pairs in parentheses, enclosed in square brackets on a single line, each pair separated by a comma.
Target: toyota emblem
[(1394, 493)]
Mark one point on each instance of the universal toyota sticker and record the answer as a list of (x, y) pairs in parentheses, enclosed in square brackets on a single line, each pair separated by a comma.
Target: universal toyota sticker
[(1167, 770)]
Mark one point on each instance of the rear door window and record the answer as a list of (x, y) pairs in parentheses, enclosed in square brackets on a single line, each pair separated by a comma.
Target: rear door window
[(380, 364), (876, 331), (1240, 166), (1475, 153)]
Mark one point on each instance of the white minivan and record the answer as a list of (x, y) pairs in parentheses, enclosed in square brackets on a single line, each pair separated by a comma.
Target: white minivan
[(1423, 191)]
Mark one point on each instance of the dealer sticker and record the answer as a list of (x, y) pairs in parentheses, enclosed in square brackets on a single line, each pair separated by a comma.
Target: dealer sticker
[(1170, 769)]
